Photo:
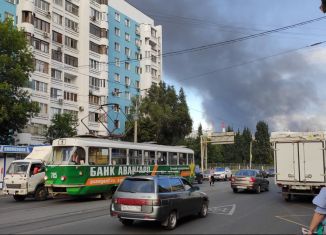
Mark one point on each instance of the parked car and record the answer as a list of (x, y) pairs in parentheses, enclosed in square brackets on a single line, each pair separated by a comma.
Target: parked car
[(271, 172), (222, 173), (157, 198), (206, 174), (249, 180)]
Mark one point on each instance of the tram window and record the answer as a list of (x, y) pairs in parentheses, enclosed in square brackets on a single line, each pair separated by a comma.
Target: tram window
[(173, 159), (135, 157), (119, 156), (149, 158), (182, 159), (191, 159), (98, 156), (78, 156), (162, 158)]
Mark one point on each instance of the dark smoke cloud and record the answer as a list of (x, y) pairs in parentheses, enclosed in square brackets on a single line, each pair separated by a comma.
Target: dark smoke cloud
[(280, 90)]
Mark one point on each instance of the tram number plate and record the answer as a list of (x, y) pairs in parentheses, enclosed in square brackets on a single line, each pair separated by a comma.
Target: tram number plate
[(130, 208)]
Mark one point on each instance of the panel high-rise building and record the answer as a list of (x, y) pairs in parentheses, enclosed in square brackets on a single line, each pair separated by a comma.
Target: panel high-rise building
[(91, 59)]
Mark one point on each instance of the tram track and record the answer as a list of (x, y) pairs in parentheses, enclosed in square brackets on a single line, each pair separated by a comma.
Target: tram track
[(34, 224)]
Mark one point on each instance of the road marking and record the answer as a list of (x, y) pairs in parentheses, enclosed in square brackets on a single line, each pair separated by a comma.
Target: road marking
[(222, 210), (291, 221)]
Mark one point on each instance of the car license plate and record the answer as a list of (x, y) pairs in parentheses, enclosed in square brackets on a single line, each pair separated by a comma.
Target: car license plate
[(241, 187), (130, 208)]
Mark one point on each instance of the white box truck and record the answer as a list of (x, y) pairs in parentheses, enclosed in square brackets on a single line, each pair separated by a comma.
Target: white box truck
[(299, 159), (25, 178)]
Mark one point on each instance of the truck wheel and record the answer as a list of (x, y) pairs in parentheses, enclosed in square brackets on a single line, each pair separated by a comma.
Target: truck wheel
[(19, 198), (41, 193)]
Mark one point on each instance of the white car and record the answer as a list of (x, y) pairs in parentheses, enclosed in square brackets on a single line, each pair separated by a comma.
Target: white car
[(222, 173)]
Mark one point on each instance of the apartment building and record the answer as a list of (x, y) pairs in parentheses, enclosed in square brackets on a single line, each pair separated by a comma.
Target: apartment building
[(69, 41), (135, 59), (8, 9), (91, 59)]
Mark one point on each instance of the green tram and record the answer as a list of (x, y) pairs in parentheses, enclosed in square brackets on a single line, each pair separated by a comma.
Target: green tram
[(84, 166)]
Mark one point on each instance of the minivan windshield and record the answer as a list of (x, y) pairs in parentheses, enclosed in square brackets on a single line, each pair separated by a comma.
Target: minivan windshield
[(137, 186), (18, 168)]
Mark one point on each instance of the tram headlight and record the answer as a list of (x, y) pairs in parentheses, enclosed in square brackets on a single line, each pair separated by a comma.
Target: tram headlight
[(63, 178), (46, 178)]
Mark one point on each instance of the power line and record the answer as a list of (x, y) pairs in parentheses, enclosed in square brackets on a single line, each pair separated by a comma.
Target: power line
[(222, 43)]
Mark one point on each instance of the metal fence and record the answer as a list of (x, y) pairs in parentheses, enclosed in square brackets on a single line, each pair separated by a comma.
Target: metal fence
[(238, 166)]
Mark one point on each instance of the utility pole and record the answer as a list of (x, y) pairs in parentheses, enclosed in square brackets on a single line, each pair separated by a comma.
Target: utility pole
[(250, 156), (136, 122)]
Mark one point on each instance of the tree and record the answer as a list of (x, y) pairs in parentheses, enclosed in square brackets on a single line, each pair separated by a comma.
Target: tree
[(261, 147), (16, 64), (62, 126), (163, 116)]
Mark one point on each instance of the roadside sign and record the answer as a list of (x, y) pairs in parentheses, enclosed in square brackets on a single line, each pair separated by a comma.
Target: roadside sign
[(222, 138)]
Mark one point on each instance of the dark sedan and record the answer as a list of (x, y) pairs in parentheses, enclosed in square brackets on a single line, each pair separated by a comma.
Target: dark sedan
[(157, 198), (249, 180)]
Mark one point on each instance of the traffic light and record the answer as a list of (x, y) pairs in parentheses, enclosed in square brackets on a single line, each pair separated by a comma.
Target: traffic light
[(323, 6)]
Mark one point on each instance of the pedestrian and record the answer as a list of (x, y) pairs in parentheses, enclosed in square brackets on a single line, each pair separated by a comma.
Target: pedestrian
[(211, 177), (318, 220)]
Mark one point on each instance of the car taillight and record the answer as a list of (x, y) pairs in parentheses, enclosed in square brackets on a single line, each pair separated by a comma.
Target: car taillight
[(137, 202), (252, 179)]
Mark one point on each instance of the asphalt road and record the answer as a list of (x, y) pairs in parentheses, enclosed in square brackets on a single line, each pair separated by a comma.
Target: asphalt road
[(242, 213)]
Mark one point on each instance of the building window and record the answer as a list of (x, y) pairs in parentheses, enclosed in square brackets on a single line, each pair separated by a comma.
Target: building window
[(94, 64), (72, 8), (127, 22), (39, 86), (58, 2), (117, 62), (56, 37), (93, 117), (70, 96), (127, 81), (95, 30), (127, 51), (116, 92), (148, 68), (93, 99), (41, 4), (70, 42), (116, 108), (127, 37), (11, 1), (71, 24), (127, 95), (137, 70), (27, 17), (41, 66), (116, 46), (55, 111), (42, 25), (127, 65), (95, 15), (56, 93), (127, 110), (43, 109), (116, 123), (117, 77), (117, 16), (56, 74), (56, 55), (154, 73), (56, 18), (117, 31), (71, 60), (40, 45), (137, 84)]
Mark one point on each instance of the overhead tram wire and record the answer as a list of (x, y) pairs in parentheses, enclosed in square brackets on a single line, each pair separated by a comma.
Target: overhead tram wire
[(223, 43)]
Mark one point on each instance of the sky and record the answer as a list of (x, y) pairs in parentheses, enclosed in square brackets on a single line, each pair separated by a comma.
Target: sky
[(259, 64)]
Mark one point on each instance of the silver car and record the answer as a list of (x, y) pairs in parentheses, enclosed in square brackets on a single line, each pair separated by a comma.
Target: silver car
[(157, 198)]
